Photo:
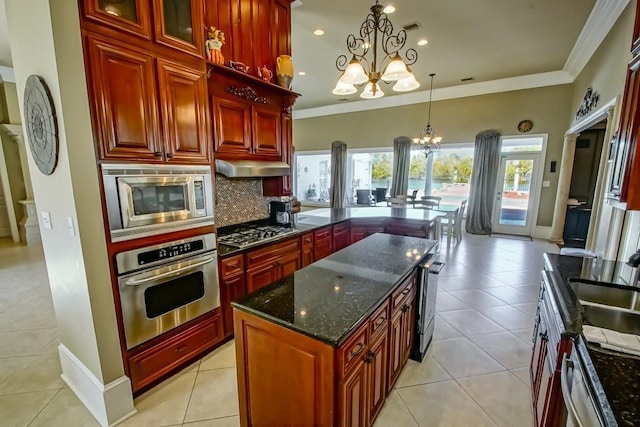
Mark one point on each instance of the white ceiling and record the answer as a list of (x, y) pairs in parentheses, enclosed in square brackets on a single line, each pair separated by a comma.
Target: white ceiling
[(488, 40)]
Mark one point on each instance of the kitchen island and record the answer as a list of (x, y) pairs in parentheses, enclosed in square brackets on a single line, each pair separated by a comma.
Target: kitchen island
[(325, 345)]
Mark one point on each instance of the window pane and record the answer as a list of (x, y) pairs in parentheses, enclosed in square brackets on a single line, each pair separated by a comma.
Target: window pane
[(313, 177), (452, 173), (522, 144), (370, 176)]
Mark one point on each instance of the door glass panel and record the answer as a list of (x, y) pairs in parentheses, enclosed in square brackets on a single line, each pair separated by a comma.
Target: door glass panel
[(515, 192), (168, 296), (151, 199), (125, 9), (177, 19)]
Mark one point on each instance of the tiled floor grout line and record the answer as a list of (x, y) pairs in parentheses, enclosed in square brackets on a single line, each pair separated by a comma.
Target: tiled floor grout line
[(44, 407), (193, 386), (407, 407)]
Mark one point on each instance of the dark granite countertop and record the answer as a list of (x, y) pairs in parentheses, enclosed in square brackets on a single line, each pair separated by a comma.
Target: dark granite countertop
[(615, 377), (317, 218), (330, 298)]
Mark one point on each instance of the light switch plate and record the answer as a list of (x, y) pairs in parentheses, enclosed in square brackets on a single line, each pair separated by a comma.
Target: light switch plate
[(46, 220), (546, 183), (71, 227)]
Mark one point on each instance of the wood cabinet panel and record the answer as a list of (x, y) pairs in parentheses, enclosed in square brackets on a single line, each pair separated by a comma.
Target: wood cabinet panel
[(261, 33), (352, 394), (179, 25), (280, 28), (231, 265), (266, 132), (261, 276), (351, 352), (231, 289), (307, 249), (153, 363), (395, 349), (232, 125), (323, 242), (341, 236), (288, 264), (126, 121), (379, 322), (184, 112), (377, 375), (272, 252), (266, 389), (131, 16)]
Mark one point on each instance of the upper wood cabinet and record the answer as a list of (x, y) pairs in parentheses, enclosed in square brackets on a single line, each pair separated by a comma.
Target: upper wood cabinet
[(183, 97), (135, 121), (179, 24), (131, 16), (124, 101), (232, 125)]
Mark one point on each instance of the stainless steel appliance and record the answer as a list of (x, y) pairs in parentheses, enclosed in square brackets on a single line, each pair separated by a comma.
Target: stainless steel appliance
[(246, 237), (144, 200), (166, 285), (580, 409), (280, 213), (426, 304)]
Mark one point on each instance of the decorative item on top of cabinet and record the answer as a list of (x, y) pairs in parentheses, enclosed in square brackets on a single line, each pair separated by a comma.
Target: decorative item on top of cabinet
[(214, 43), (284, 71)]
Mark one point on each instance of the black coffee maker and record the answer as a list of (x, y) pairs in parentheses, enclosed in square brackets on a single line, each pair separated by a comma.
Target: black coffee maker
[(280, 213)]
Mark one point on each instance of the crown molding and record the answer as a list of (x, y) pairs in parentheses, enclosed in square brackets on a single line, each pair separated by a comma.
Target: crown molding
[(552, 78), (6, 74), (603, 17)]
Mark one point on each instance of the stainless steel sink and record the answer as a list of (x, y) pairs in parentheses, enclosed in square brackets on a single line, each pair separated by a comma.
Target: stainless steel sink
[(627, 322), (603, 294)]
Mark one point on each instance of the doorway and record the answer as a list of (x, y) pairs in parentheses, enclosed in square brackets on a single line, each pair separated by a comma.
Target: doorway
[(516, 193)]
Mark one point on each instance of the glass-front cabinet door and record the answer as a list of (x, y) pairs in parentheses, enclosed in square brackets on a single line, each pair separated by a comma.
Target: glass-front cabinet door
[(179, 24), (132, 16)]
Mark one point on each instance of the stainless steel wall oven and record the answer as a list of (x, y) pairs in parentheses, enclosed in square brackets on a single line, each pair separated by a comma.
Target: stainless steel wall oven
[(145, 200), (166, 285)]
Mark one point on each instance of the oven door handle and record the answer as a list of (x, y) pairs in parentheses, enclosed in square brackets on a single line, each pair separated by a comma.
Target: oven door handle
[(136, 282)]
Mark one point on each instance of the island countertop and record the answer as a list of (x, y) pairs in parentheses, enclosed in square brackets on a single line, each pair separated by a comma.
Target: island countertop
[(330, 298)]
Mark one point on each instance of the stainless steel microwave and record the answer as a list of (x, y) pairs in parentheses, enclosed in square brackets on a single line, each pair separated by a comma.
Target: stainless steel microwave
[(145, 200)]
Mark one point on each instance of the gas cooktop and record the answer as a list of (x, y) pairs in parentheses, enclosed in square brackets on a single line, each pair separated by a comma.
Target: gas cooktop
[(253, 236)]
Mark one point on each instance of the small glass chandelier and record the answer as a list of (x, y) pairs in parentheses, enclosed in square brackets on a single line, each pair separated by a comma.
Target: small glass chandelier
[(428, 140), (376, 32)]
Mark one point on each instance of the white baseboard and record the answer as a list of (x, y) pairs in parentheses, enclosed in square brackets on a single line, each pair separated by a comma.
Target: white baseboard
[(541, 232), (109, 403)]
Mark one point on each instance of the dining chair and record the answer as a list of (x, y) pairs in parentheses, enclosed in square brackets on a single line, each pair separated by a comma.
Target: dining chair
[(412, 197), (397, 202), (430, 202), (457, 222)]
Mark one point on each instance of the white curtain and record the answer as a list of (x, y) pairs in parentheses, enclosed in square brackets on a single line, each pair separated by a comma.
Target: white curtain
[(338, 174), (486, 160), (401, 160)]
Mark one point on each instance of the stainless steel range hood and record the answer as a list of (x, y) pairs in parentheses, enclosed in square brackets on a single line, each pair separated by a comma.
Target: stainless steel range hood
[(251, 168)]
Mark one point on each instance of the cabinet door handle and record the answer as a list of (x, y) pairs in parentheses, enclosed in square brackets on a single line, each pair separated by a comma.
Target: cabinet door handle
[(370, 356), (157, 153), (406, 291), (405, 308), (544, 336), (181, 348), (358, 349), (169, 155), (381, 321)]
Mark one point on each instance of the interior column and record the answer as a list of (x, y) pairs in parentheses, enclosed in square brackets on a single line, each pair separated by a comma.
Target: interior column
[(564, 185)]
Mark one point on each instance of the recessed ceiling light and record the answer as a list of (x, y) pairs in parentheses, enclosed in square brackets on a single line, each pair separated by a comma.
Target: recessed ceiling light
[(319, 32), (389, 9), (366, 45), (302, 73), (422, 42)]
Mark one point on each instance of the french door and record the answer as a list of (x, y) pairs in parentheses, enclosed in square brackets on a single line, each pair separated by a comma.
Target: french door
[(516, 192)]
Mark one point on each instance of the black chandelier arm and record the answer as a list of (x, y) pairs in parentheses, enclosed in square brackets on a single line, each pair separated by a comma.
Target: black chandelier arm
[(392, 44), (341, 62), (411, 56)]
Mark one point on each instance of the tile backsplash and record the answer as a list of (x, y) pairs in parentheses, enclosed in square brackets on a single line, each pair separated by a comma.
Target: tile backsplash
[(239, 200)]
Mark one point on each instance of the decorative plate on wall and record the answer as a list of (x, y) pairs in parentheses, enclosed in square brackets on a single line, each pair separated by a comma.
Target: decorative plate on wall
[(525, 126), (41, 125)]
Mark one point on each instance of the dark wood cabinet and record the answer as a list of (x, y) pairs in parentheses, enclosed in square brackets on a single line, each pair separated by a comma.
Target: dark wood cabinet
[(155, 362), (130, 16), (403, 227), (401, 328), (271, 263), (550, 346), (125, 121), (138, 124), (323, 242), (377, 375), (307, 257), (184, 107), (179, 24), (232, 124), (266, 133), (625, 171), (365, 227), (341, 236), (232, 287), (353, 397)]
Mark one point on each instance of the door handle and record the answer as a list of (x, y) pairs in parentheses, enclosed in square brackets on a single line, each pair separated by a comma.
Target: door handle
[(136, 282)]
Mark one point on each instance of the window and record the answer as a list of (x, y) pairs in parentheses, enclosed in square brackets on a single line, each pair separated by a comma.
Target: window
[(313, 177), (451, 173)]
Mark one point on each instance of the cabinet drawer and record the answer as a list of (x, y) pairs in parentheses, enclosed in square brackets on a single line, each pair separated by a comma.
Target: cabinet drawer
[(157, 361), (379, 320), (324, 233), (232, 265), (353, 350), (343, 226), (271, 252), (400, 295)]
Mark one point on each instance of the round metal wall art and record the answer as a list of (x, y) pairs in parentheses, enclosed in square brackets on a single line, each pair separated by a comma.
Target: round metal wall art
[(41, 125)]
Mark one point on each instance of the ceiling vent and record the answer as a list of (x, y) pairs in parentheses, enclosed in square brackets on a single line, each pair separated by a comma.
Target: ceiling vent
[(467, 79), (411, 27)]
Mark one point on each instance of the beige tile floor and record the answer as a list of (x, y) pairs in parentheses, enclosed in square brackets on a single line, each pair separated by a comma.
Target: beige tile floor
[(475, 373)]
